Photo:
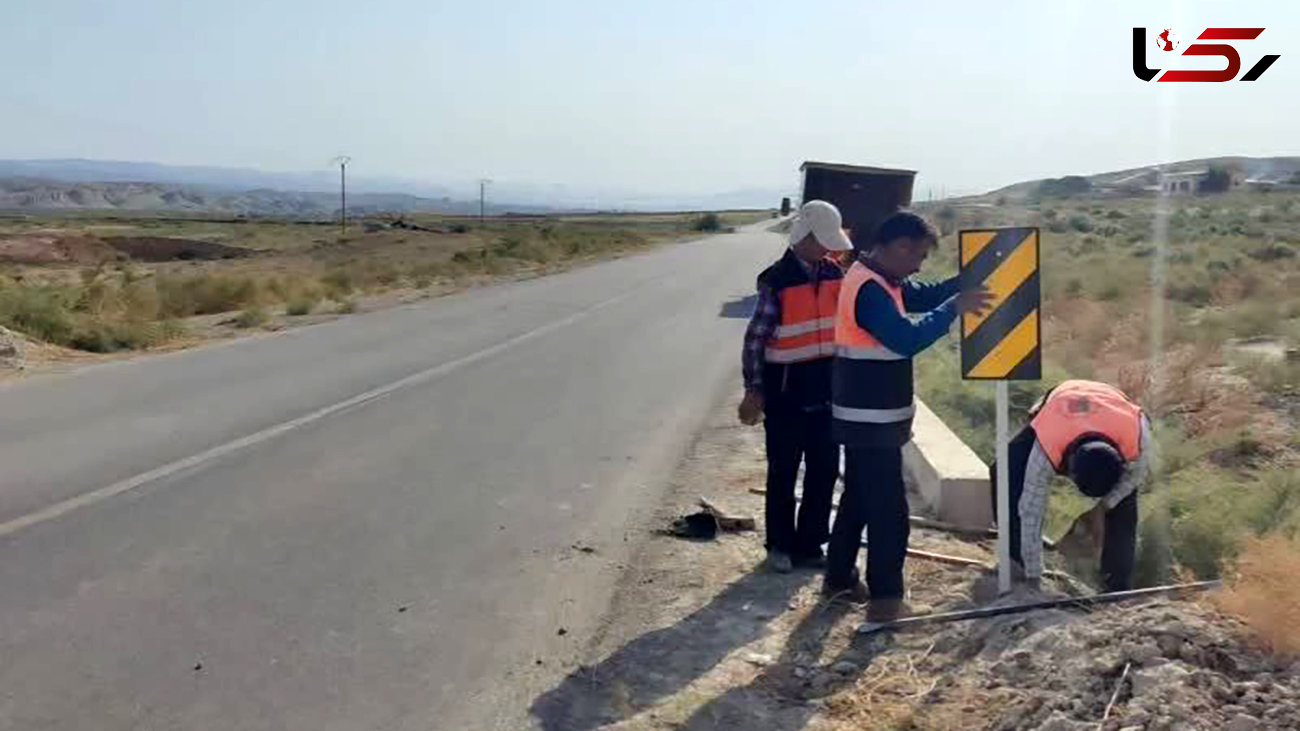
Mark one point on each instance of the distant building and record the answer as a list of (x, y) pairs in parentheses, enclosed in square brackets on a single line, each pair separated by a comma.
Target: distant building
[(1184, 182), (1260, 184), (1130, 184)]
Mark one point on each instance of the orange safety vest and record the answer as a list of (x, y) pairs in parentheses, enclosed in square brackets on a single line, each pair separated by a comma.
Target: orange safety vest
[(1078, 409), (871, 385), (852, 341), (807, 328)]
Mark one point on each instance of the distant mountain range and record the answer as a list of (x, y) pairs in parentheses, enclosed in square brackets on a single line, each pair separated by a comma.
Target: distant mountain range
[(144, 186)]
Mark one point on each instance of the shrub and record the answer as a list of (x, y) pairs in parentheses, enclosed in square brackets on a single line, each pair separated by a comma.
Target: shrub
[(710, 222), (252, 317), (1115, 214), (1081, 223), (300, 306), (1217, 180), (339, 282), (204, 294), (1272, 252), (1263, 592), (347, 307), (41, 312), (99, 336)]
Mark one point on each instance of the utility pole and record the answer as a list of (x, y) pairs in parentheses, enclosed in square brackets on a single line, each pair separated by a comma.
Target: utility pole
[(482, 200), (342, 161)]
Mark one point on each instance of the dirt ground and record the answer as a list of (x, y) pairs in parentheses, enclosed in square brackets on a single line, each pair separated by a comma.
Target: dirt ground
[(700, 638)]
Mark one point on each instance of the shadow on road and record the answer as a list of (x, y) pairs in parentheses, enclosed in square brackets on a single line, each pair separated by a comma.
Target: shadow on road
[(660, 663), (739, 309)]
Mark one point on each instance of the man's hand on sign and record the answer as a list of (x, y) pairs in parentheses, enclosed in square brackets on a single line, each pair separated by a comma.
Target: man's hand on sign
[(751, 408), (974, 301)]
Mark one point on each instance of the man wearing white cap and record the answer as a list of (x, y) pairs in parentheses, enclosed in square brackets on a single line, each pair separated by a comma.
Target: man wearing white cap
[(787, 370)]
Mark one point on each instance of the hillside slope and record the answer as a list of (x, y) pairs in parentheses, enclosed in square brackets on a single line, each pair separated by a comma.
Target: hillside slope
[(1278, 168)]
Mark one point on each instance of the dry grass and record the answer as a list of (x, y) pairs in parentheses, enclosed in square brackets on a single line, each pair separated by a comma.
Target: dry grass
[(1264, 592), (1226, 424), (134, 306)]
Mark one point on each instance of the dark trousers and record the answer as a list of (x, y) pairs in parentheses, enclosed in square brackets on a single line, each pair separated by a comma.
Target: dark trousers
[(795, 436), (875, 498), (1119, 550)]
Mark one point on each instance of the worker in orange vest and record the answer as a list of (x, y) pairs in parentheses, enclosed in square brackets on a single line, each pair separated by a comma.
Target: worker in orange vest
[(872, 404), (787, 370), (1094, 434)]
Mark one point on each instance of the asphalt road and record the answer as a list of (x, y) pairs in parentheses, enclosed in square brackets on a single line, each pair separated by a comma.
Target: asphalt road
[(366, 524)]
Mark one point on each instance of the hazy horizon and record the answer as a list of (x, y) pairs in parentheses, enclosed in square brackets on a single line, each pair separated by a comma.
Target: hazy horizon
[(669, 99)]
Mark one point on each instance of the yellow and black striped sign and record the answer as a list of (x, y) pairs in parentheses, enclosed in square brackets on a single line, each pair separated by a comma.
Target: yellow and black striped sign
[(1005, 342)]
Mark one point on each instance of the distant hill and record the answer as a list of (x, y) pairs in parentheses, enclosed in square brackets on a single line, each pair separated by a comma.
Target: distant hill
[(1275, 169), (25, 194), (144, 186), (118, 171)]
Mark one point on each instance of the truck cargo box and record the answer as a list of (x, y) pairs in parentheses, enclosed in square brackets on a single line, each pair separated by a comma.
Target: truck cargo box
[(865, 195)]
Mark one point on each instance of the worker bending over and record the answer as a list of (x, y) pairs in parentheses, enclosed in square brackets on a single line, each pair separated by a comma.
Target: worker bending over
[(1099, 438)]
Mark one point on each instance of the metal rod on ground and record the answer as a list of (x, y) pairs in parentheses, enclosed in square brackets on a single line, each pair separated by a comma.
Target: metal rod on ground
[(1080, 602), (1114, 697), (932, 524), (1004, 491)]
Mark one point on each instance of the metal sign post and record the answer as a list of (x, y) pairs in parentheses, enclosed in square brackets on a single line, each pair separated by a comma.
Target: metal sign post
[(1003, 344), (1004, 490)]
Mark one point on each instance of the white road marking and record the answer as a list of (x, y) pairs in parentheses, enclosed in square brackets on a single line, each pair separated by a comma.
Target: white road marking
[(64, 507)]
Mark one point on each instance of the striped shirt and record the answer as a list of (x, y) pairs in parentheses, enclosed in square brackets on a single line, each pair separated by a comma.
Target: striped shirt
[(1038, 481)]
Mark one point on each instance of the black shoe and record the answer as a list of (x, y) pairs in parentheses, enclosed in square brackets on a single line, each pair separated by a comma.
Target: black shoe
[(853, 592)]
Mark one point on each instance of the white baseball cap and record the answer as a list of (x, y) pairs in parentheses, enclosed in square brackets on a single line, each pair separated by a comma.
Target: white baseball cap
[(823, 221)]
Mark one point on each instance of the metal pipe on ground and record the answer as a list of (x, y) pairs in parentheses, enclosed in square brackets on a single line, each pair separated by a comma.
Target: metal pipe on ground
[(939, 525), (1074, 602)]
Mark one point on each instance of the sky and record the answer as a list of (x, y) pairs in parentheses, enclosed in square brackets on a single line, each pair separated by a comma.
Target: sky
[(668, 96)]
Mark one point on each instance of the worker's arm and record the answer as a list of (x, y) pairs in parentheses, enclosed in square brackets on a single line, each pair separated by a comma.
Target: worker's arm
[(925, 296), (1134, 472), (762, 325), (877, 314), (1033, 508)]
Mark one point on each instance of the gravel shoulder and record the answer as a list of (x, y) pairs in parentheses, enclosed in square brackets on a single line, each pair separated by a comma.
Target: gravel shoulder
[(700, 638)]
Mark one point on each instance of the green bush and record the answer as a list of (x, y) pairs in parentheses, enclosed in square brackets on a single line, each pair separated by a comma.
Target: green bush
[(1272, 252), (204, 294), (299, 307), (708, 222), (43, 312), (1081, 223), (98, 336)]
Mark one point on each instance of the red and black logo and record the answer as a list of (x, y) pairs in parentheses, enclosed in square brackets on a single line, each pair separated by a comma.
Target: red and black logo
[(1165, 41)]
